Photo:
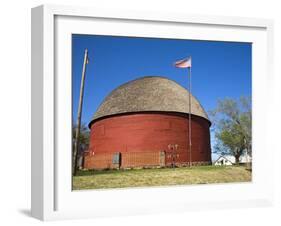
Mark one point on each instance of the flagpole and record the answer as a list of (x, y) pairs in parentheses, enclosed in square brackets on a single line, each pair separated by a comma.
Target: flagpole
[(189, 118), (77, 134), (186, 63)]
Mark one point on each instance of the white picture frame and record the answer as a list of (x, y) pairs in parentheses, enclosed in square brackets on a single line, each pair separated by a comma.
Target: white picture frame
[(52, 197)]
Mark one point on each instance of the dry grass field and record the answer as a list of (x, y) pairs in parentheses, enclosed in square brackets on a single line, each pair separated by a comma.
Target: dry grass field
[(160, 177)]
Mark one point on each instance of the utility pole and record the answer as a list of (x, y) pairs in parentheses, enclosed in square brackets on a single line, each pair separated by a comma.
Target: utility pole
[(77, 132)]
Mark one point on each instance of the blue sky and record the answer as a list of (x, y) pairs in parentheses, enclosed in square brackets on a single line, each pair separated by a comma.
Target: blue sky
[(219, 69)]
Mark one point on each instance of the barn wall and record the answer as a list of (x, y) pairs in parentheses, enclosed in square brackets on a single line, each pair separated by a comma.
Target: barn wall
[(142, 137)]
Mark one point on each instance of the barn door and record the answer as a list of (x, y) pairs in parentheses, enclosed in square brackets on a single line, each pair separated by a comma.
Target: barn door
[(116, 160), (162, 158)]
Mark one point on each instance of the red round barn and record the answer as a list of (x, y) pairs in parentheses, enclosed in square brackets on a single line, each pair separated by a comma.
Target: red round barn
[(144, 123)]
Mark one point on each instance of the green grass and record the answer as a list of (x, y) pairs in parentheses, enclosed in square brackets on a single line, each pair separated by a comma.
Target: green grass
[(94, 179)]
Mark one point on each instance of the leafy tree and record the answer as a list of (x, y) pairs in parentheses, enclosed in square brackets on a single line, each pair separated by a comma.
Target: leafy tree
[(232, 124)]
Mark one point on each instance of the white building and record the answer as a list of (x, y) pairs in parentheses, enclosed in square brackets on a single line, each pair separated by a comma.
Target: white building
[(229, 160)]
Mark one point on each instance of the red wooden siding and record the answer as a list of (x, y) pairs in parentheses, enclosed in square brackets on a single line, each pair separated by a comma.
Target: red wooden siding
[(141, 137)]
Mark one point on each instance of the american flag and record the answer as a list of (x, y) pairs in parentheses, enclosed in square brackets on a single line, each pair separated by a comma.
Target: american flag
[(185, 63)]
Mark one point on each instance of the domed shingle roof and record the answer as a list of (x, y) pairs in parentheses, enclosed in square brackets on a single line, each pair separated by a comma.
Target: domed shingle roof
[(151, 93)]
